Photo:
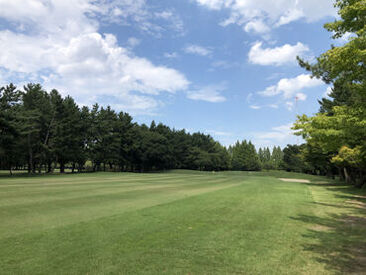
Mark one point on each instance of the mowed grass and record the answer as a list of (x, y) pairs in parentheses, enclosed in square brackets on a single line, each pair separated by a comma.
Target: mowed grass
[(180, 222)]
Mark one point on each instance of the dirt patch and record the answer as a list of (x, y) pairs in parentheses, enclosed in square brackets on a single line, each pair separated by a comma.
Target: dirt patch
[(295, 180)]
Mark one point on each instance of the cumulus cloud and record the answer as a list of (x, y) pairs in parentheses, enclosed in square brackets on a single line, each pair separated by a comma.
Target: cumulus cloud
[(65, 50), (289, 87), (198, 50), (277, 56), (209, 93), (289, 16), (256, 26), (260, 16)]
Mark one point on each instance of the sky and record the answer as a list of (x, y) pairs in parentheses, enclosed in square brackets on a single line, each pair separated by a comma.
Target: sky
[(223, 67)]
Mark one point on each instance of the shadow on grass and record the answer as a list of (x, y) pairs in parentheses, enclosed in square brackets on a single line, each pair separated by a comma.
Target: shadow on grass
[(339, 240), (25, 174)]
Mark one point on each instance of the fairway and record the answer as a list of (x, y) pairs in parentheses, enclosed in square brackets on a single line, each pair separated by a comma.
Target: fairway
[(181, 222)]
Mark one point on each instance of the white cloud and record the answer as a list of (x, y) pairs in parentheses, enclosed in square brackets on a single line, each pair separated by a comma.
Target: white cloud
[(261, 15), (278, 133), (65, 50), (256, 26), (219, 133), (258, 107), (133, 42), (289, 16), (212, 4), (290, 87), (208, 93), (277, 136), (139, 14), (346, 38), (198, 50), (301, 96), (175, 22), (277, 56)]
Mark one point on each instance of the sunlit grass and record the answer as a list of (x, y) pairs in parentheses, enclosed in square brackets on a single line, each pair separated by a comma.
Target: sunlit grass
[(181, 222)]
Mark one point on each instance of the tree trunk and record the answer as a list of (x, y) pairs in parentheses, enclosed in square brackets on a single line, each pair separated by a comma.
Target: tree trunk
[(341, 175), (62, 167), (73, 167), (346, 175), (34, 164), (49, 169), (30, 156)]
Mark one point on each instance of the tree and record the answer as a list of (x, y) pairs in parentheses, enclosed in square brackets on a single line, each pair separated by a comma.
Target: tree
[(41, 130), (35, 117), (338, 131), (244, 157), (292, 158), (277, 158), (69, 139), (9, 134)]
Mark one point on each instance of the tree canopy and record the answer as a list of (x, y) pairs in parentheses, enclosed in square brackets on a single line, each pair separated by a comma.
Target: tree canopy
[(336, 136), (41, 131)]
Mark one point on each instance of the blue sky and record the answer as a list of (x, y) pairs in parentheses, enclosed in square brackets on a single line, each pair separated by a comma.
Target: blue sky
[(223, 67)]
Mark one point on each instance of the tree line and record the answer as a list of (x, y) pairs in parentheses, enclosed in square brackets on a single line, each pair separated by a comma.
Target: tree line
[(41, 131), (336, 136)]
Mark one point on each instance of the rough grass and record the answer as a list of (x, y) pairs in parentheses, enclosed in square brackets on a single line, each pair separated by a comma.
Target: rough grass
[(181, 222)]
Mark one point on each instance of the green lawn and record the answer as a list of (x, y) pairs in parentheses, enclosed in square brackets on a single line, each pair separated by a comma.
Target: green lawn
[(180, 222)]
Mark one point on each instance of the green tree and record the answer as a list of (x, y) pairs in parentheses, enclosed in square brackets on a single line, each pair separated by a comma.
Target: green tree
[(342, 120), (9, 134), (244, 157)]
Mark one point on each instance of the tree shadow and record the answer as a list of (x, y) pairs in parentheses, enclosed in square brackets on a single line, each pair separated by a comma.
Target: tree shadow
[(339, 240), (333, 205)]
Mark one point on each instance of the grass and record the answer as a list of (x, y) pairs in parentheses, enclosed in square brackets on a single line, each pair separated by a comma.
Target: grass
[(180, 222)]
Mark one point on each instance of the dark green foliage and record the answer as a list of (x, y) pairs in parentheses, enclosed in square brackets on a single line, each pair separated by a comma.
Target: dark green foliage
[(339, 96), (41, 131), (271, 161), (9, 134), (292, 158), (244, 157)]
